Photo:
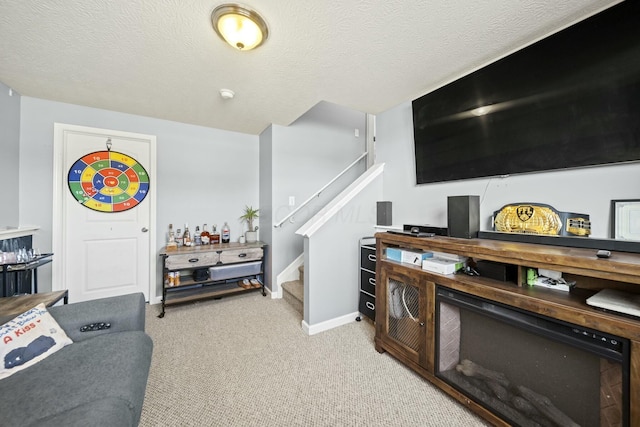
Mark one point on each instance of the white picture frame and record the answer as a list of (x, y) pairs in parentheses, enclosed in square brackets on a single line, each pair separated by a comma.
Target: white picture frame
[(625, 219)]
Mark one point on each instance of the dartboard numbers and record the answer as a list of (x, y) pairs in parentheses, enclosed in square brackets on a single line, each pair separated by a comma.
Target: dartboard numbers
[(108, 181)]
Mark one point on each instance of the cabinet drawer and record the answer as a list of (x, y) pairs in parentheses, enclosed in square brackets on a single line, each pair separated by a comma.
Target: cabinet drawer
[(367, 306), (240, 255), (204, 259), (368, 258), (368, 282)]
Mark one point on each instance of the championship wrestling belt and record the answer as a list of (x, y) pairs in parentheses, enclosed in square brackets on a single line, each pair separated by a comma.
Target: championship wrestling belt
[(537, 218)]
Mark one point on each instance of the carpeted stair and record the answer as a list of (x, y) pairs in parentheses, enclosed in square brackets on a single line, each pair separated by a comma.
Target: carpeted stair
[(293, 292)]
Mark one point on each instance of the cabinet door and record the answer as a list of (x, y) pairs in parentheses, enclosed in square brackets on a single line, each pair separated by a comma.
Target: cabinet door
[(401, 313)]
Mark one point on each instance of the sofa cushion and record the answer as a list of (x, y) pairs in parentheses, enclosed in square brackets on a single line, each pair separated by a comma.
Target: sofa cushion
[(111, 369), (29, 338)]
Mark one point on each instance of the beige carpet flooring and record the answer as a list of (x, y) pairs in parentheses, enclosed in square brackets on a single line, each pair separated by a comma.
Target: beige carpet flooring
[(244, 361)]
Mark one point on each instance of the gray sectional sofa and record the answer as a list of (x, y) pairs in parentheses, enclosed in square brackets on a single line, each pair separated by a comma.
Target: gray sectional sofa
[(99, 380)]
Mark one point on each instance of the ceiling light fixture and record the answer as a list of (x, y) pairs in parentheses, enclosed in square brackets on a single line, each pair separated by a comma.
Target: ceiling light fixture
[(239, 26)]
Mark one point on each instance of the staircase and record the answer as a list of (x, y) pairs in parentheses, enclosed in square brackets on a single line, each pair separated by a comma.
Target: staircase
[(293, 292)]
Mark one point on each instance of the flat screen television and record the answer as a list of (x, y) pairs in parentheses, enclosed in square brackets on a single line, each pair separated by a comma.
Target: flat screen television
[(569, 100)]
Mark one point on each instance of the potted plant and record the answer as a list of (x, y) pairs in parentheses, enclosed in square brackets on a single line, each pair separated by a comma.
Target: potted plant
[(249, 215)]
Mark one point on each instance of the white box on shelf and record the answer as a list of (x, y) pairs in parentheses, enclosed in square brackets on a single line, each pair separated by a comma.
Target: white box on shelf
[(442, 266), (414, 257), (449, 257)]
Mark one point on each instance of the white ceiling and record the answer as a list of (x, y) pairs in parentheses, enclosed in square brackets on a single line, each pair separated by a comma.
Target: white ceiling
[(161, 58)]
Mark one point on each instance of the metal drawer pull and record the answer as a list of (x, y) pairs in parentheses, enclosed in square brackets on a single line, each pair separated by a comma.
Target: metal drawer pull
[(372, 281), (194, 260), (372, 258), (370, 305), (242, 255)]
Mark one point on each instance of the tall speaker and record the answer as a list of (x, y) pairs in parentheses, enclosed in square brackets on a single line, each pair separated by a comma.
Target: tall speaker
[(463, 216), (384, 213)]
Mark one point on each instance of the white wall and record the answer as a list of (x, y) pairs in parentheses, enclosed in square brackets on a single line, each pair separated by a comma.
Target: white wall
[(587, 190), (9, 156), (203, 175)]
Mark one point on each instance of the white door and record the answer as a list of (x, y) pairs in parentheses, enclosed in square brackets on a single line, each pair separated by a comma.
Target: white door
[(105, 204)]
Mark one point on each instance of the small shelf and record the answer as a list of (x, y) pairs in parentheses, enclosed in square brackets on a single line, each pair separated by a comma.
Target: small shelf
[(228, 264), (204, 292)]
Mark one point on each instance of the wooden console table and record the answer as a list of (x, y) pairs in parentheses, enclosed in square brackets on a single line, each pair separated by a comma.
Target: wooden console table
[(12, 306), (418, 348), (223, 267)]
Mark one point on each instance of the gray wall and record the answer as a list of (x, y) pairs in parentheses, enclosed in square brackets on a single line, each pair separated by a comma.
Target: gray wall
[(305, 156), (202, 174), (9, 157), (265, 232), (332, 258), (588, 190)]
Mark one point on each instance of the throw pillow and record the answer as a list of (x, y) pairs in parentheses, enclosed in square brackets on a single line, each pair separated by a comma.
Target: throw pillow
[(28, 339)]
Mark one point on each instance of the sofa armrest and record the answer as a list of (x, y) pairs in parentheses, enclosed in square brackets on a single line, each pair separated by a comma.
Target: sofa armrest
[(124, 313)]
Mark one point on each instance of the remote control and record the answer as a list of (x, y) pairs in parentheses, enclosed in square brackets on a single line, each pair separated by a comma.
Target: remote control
[(95, 327), (603, 254)]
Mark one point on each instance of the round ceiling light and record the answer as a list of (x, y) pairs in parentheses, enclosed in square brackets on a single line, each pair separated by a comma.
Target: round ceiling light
[(242, 28)]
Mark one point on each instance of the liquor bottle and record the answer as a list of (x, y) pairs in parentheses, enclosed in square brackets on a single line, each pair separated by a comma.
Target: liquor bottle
[(186, 237), (226, 233), (171, 238), (197, 237), (205, 236), (215, 236), (179, 240)]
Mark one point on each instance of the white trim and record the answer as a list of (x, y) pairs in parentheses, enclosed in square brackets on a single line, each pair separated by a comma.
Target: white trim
[(326, 213), (329, 324), (13, 232), (290, 273), (57, 281)]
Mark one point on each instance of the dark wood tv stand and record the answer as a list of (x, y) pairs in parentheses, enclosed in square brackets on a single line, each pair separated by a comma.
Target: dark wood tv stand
[(620, 271)]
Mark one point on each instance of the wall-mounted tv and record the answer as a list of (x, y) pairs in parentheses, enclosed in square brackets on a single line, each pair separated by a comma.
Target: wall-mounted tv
[(567, 101)]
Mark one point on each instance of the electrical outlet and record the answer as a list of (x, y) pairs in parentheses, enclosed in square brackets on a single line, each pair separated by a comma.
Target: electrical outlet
[(292, 200)]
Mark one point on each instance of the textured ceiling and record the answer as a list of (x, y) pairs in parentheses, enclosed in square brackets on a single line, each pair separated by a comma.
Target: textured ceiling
[(161, 58)]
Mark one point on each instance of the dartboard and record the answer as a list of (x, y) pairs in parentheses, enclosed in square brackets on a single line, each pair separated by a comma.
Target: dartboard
[(108, 181)]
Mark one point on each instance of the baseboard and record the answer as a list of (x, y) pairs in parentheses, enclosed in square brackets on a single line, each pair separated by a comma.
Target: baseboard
[(329, 324)]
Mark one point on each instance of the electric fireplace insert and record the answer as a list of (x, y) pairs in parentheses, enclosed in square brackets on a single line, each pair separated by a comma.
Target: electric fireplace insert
[(528, 369)]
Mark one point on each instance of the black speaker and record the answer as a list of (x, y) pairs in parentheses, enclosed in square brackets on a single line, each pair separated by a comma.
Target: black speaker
[(463, 216), (384, 213)]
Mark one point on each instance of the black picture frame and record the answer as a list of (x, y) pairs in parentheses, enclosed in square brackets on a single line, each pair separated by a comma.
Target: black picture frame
[(622, 208)]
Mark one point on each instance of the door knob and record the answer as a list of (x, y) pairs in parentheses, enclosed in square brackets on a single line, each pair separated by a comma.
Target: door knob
[(144, 229)]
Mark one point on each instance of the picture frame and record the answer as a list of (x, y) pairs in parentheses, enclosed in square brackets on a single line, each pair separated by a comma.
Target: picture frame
[(625, 219)]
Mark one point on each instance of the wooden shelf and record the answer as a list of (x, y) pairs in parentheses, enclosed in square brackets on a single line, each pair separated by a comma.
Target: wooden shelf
[(620, 271), (231, 263)]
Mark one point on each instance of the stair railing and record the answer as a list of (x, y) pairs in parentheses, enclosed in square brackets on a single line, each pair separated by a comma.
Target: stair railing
[(317, 193)]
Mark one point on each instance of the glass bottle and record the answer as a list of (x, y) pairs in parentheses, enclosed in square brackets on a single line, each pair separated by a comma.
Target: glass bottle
[(205, 236), (186, 237), (171, 238), (215, 236), (197, 237), (226, 233), (179, 240)]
